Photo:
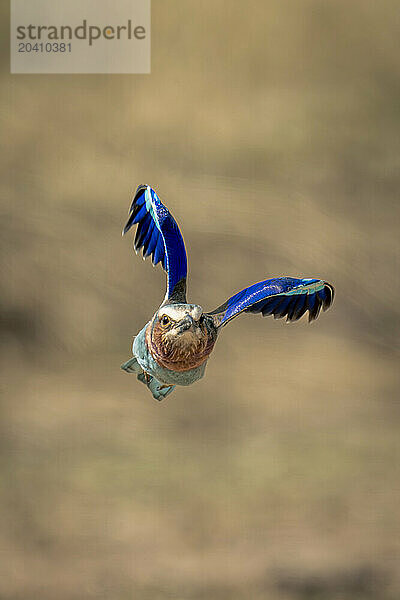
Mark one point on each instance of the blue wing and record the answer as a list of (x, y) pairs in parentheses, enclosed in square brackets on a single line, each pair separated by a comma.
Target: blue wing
[(159, 236), (283, 296)]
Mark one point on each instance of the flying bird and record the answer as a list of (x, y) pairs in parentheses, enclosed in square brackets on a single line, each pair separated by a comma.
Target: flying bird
[(174, 346)]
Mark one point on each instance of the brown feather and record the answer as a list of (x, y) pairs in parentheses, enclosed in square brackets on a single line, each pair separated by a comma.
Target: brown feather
[(181, 352)]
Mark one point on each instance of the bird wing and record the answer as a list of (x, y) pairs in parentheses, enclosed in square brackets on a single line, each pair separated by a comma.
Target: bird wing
[(159, 236), (283, 296)]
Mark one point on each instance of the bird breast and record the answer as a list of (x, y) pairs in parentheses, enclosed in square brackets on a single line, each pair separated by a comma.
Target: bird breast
[(178, 353)]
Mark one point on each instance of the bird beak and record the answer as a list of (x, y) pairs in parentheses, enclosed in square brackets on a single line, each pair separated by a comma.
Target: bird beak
[(185, 324)]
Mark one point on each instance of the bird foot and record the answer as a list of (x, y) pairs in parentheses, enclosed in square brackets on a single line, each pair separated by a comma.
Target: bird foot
[(158, 390), (131, 366)]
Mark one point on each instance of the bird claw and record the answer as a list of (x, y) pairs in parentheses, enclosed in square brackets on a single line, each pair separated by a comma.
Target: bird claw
[(160, 391), (144, 378)]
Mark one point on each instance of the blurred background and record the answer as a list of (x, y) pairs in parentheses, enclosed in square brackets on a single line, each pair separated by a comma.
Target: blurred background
[(271, 131)]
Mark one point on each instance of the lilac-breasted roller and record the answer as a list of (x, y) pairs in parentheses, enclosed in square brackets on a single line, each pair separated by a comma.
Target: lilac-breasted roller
[(174, 346)]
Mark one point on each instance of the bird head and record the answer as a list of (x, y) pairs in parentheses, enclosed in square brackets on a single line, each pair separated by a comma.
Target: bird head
[(179, 324), (179, 336)]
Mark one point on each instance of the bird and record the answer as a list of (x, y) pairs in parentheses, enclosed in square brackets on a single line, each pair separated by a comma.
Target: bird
[(173, 348)]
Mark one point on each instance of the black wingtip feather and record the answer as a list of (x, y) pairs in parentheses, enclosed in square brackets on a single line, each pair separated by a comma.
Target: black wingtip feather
[(314, 312), (301, 307), (128, 225), (330, 293), (142, 231), (292, 309)]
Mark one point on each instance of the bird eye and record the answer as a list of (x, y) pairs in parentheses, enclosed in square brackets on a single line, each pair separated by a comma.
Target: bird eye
[(164, 320)]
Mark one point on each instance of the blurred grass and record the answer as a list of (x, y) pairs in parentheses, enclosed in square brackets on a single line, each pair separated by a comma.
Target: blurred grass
[(272, 133)]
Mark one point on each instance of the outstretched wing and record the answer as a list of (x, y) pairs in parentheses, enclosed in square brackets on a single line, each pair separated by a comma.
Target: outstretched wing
[(159, 236), (283, 296)]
